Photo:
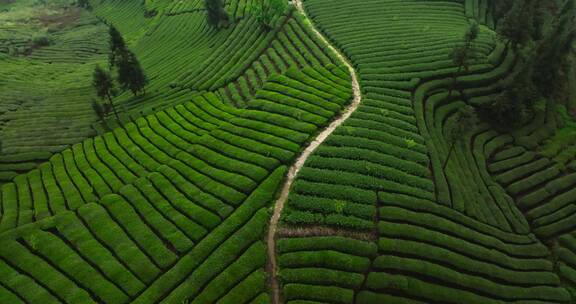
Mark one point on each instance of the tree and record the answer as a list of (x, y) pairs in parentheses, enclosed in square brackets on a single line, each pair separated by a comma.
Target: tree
[(461, 54), (514, 105), (83, 4), (553, 50), (266, 11), (102, 82), (517, 26), (130, 74), (98, 109), (117, 45), (459, 126), (216, 13)]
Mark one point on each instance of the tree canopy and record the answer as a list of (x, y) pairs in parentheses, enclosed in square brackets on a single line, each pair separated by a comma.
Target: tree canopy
[(266, 11), (130, 74), (216, 13), (104, 86)]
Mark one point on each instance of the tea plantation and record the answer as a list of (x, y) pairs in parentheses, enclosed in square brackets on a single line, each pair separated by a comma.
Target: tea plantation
[(303, 152)]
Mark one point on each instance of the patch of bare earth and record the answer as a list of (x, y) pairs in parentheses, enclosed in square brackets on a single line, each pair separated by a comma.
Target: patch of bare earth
[(61, 19), (311, 231)]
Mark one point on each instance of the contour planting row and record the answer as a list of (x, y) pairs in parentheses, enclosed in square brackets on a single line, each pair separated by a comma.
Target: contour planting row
[(183, 7), (435, 107), (117, 252), (481, 10), (324, 269), (177, 68), (45, 95), (180, 201), (376, 172), (565, 253), (235, 60), (214, 153), (379, 148), (236, 9), (83, 39), (430, 253), (540, 187), (231, 57), (127, 16), (167, 55), (39, 122), (542, 190), (293, 46)]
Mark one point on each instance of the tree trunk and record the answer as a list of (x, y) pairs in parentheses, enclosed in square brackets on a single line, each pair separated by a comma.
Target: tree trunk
[(113, 107), (454, 82), (452, 146)]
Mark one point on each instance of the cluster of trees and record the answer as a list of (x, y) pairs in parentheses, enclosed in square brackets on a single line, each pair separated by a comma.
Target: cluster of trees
[(541, 34), (130, 75), (265, 11)]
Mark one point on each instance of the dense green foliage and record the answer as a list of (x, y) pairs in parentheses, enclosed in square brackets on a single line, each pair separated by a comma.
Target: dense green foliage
[(266, 11), (452, 181), (216, 14)]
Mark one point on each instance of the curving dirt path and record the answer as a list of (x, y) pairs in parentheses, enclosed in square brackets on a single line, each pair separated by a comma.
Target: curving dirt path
[(295, 168)]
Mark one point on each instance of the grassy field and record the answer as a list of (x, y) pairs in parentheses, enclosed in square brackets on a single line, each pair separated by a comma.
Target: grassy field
[(45, 88), (172, 202)]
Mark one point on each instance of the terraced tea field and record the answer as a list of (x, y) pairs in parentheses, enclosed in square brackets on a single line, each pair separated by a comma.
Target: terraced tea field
[(309, 160), (45, 91)]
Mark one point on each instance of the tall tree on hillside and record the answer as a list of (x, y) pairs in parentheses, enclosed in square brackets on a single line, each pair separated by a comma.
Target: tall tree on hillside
[(216, 13), (518, 24), (266, 11), (553, 50), (102, 82), (130, 74), (117, 45), (458, 127), (461, 54)]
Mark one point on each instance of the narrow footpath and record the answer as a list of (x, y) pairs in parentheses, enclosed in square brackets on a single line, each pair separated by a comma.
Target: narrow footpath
[(295, 168)]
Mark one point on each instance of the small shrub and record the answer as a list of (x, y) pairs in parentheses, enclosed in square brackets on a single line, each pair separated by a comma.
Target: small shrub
[(41, 41)]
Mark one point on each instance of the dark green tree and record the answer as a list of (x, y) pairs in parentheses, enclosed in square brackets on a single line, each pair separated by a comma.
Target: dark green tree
[(216, 13), (541, 33), (130, 74), (461, 55), (514, 105), (266, 11), (553, 50), (517, 26), (104, 86), (83, 4), (458, 127), (117, 45)]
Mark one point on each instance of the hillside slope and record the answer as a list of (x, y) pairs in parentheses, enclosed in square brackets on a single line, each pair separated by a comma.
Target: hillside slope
[(375, 198), (263, 166)]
